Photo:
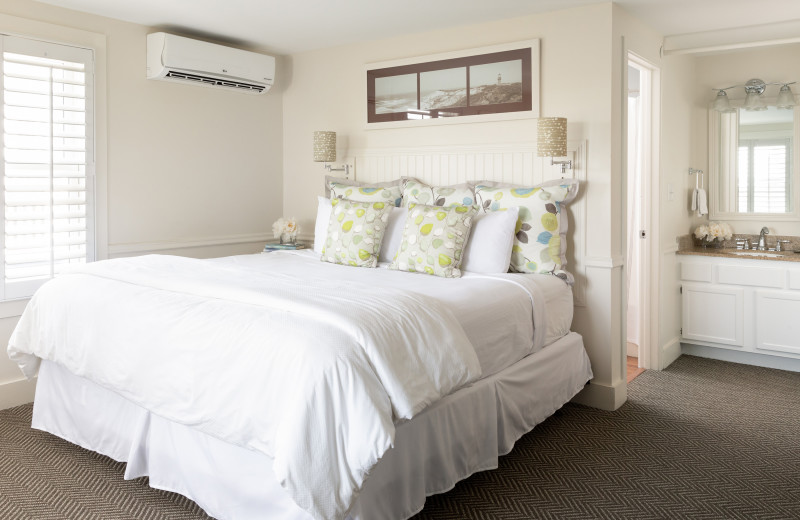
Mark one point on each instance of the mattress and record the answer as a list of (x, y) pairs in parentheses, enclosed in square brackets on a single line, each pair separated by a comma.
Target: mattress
[(497, 321), (461, 434)]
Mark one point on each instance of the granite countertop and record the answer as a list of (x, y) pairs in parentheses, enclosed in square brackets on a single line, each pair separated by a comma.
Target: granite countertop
[(687, 245), (782, 256)]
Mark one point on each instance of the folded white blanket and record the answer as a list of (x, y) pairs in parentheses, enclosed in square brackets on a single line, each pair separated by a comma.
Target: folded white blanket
[(311, 371)]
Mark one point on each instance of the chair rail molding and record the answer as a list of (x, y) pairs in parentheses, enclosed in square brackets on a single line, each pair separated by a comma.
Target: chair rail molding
[(125, 248)]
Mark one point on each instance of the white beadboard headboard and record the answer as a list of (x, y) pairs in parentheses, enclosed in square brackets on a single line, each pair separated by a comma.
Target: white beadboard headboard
[(512, 163)]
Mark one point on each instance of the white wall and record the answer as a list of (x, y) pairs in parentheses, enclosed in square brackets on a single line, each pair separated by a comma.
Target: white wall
[(181, 169), (678, 146), (577, 64), (774, 63)]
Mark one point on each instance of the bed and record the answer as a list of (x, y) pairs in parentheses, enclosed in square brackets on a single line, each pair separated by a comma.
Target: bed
[(279, 386)]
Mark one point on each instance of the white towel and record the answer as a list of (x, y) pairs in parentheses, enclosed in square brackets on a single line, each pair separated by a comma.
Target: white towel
[(694, 199), (702, 202)]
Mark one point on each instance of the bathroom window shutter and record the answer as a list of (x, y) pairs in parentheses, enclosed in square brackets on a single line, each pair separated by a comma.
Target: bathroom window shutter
[(47, 162)]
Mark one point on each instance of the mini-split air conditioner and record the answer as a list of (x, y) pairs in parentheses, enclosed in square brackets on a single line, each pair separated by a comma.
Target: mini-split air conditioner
[(175, 58)]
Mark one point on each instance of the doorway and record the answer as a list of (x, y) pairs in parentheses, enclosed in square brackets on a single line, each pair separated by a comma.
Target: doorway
[(639, 175)]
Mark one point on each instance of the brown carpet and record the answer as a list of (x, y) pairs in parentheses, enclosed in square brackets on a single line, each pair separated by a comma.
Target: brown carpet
[(702, 440)]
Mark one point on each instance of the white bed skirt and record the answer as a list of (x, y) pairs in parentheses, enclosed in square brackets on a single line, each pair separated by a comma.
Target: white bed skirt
[(463, 433)]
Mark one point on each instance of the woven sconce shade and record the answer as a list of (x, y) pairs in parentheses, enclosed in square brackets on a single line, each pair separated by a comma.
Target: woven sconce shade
[(551, 137), (324, 146)]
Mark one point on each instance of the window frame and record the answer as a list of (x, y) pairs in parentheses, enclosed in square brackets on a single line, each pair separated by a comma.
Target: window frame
[(96, 42)]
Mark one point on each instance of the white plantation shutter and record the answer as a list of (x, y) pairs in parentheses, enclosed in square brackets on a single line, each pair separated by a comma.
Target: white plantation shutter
[(48, 162), (764, 175)]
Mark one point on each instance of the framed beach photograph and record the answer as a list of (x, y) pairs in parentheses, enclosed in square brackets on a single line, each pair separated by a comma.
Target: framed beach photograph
[(486, 84)]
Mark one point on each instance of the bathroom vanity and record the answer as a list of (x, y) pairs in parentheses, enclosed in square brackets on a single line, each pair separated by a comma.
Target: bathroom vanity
[(741, 305)]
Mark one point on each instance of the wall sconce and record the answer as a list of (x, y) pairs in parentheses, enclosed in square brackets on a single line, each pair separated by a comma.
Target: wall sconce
[(325, 151), (551, 140), (754, 89)]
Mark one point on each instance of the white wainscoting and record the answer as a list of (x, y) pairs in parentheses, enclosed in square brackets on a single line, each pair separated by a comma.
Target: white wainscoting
[(510, 163)]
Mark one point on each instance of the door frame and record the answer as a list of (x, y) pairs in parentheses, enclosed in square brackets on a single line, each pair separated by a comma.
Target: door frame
[(650, 91)]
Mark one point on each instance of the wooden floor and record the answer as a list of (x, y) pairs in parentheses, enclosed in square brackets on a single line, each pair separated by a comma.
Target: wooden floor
[(633, 368)]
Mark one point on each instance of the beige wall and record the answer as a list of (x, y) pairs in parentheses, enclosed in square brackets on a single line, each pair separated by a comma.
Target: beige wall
[(186, 170), (578, 82), (215, 158), (775, 63), (677, 150)]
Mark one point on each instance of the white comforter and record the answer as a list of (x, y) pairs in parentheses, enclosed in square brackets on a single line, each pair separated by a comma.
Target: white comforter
[(311, 371)]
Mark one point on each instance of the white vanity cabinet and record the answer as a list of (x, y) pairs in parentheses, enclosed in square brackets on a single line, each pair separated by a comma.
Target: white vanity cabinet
[(739, 304)]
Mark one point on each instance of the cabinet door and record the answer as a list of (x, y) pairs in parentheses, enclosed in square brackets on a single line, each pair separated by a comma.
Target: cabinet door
[(713, 314), (778, 321)]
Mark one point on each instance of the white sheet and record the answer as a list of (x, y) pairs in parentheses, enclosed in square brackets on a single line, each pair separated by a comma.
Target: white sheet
[(457, 436), (498, 317), (153, 329), (496, 311)]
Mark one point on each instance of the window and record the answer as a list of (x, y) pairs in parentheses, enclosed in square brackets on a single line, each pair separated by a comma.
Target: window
[(47, 164), (764, 175)]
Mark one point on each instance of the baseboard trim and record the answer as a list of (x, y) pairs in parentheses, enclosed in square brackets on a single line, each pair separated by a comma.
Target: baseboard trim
[(604, 397), (670, 351), (16, 393), (744, 358)]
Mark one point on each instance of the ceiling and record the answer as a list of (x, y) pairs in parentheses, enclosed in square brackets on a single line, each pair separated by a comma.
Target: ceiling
[(292, 26)]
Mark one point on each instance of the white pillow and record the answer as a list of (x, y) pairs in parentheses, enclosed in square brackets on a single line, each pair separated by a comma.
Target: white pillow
[(393, 235), (321, 225), (489, 247)]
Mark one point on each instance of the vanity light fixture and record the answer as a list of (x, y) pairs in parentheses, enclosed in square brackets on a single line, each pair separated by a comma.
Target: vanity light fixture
[(754, 90), (785, 96), (721, 102), (325, 151), (551, 140)]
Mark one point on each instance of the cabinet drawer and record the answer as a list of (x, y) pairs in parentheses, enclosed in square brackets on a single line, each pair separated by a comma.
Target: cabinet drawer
[(713, 313), (753, 276), (695, 272), (777, 323)]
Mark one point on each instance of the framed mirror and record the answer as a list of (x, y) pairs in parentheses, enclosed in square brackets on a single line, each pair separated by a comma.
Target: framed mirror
[(754, 164)]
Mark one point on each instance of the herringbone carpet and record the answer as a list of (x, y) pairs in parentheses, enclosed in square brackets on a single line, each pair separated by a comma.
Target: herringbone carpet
[(702, 440)]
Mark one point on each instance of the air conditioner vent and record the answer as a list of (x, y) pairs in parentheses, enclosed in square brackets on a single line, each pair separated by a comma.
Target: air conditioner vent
[(194, 62), (213, 81)]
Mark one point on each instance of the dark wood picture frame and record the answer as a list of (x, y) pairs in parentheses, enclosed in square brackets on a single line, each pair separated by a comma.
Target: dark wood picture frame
[(438, 89)]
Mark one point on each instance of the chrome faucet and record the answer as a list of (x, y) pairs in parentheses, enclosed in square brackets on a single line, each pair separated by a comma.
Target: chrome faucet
[(762, 239)]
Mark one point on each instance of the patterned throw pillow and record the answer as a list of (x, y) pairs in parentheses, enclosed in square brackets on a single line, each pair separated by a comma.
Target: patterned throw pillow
[(418, 192), (434, 239), (540, 244), (355, 231), (389, 194)]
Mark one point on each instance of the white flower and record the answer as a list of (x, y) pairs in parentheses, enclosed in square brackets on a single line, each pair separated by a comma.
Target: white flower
[(714, 231), (727, 232), (286, 226), (277, 227)]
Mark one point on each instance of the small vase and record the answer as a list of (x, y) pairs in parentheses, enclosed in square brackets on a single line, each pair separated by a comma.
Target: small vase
[(711, 243), (286, 238)]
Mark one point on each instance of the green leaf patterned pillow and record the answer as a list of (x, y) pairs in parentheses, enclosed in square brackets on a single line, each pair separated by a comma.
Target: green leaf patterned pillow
[(389, 194), (434, 239), (355, 232), (418, 192), (540, 244)]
